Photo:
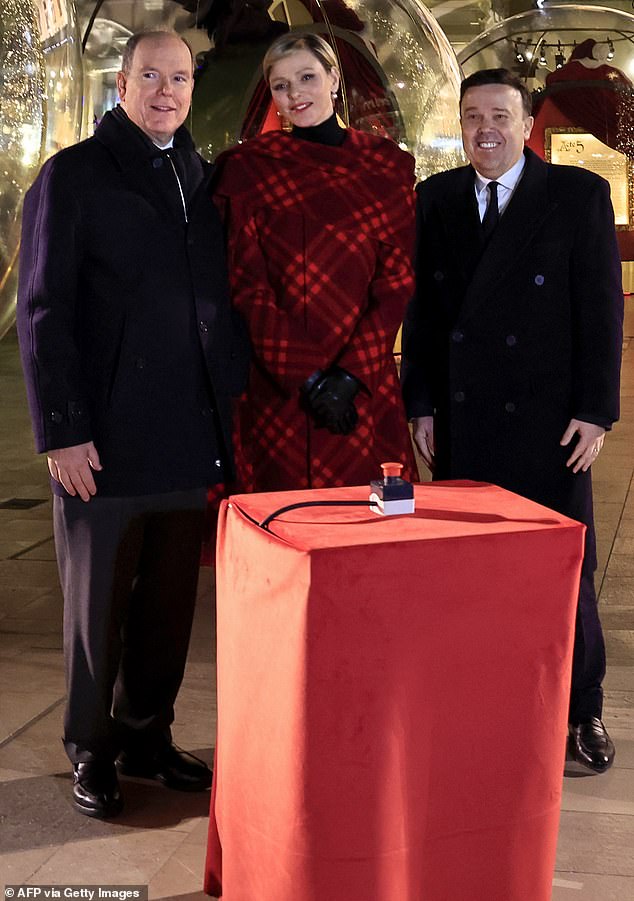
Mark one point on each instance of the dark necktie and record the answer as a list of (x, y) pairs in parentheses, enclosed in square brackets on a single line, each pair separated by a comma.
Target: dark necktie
[(492, 213)]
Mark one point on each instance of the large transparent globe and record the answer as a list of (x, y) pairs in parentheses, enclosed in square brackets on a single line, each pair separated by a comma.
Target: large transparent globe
[(40, 105), (400, 78), (400, 74), (537, 42), (578, 62)]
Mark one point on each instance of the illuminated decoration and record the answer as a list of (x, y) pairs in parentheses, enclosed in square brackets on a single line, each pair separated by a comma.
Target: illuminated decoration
[(400, 76), (40, 107)]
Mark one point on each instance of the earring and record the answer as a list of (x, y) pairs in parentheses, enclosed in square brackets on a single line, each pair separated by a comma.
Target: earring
[(285, 125), (333, 94)]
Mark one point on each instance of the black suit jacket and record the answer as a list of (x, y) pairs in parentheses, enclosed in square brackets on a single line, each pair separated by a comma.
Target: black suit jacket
[(124, 320), (505, 344)]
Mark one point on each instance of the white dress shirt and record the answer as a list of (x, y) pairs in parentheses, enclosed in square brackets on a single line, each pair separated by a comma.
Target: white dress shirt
[(507, 184)]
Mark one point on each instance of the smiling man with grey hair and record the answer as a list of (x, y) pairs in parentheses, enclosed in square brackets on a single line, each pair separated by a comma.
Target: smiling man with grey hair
[(131, 355)]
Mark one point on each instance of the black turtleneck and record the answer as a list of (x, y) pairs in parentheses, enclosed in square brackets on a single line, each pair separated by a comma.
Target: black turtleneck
[(328, 132)]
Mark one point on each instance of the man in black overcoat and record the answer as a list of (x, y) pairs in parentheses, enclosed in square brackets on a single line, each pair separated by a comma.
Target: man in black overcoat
[(131, 356), (512, 342)]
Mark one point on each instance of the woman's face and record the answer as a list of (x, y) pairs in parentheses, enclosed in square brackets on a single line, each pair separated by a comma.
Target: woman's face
[(302, 89)]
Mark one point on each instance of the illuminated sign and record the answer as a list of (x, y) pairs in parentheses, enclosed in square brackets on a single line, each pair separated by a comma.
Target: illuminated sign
[(572, 148)]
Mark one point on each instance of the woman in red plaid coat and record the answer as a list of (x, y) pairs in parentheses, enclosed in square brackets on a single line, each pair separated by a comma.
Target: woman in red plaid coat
[(321, 228)]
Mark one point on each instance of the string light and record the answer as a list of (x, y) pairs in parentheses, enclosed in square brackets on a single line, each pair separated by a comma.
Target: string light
[(560, 59)]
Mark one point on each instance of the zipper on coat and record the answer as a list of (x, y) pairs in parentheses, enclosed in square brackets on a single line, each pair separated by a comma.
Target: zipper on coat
[(180, 187)]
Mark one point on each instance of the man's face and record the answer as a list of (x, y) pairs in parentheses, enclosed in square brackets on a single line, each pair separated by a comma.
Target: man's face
[(157, 91), (494, 128)]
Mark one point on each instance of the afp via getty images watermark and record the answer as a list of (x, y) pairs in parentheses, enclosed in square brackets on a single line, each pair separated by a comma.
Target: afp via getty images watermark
[(85, 892)]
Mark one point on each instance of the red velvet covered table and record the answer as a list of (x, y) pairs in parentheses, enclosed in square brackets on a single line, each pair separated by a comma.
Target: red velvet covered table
[(392, 697)]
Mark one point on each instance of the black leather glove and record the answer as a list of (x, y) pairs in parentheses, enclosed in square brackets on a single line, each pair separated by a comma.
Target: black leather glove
[(330, 399)]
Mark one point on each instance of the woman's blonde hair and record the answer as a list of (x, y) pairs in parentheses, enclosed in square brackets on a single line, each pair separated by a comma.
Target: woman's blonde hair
[(299, 40)]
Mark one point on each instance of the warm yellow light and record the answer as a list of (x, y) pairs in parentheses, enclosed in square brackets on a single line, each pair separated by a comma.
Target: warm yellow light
[(30, 144)]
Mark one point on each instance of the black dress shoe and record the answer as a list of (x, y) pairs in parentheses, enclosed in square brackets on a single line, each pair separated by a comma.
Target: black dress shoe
[(591, 745), (96, 790), (170, 766)]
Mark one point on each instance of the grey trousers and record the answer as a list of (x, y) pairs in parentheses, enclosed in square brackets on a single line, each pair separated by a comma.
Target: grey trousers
[(129, 571)]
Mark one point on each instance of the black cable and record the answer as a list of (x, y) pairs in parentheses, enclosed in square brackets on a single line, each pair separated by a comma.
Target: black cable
[(265, 522), (91, 22)]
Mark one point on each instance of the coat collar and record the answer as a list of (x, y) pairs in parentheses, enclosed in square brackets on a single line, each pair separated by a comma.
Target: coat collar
[(134, 152), (360, 158), (522, 221), (129, 144)]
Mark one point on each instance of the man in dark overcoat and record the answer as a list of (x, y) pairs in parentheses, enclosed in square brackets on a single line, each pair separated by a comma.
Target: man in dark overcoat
[(512, 342), (131, 357)]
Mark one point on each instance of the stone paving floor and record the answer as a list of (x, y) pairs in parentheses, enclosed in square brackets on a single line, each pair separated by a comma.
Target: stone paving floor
[(159, 840)]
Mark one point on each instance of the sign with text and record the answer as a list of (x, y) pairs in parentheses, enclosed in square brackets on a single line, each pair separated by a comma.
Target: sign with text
[(584, 150)]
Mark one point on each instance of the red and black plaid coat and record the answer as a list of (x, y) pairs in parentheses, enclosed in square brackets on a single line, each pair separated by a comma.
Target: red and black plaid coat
[(320, 242)]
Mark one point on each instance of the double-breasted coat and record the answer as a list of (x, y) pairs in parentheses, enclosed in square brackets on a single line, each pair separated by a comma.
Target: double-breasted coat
[(124, 316), (320, 241), (505, 345)]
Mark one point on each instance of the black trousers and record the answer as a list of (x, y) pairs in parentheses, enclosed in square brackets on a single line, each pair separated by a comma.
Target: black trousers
[(588, 660), (129, 573)]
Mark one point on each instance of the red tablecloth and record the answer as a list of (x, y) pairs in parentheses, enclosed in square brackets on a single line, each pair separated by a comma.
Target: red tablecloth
[(392, 698)]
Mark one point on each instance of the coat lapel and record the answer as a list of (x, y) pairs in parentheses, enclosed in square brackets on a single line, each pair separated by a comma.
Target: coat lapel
[(142, 165), (521, 222), (459, 213)]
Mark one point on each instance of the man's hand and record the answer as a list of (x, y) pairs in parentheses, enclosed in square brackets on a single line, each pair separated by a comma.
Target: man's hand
[(588, 445), (72, 467), (424, 438)]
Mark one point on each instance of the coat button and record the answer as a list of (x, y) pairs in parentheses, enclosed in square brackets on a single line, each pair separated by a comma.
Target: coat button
[(139, 363), (439, 276), (218, 463), (539, 280), (56, 416), (158, 162), (509, 407), (203, 326), (511, 340), (75, 412), (459, 396), (457, 336)]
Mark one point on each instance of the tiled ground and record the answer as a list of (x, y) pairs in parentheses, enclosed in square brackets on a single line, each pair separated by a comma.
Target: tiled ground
[(160, 838)]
